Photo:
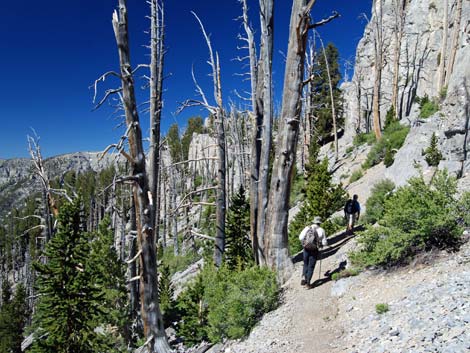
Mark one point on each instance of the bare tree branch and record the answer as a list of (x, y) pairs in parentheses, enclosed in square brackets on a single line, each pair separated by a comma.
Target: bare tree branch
[(324, 21)]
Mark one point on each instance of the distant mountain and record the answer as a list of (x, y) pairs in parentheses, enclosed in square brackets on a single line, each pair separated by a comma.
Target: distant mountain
[(17, 179)]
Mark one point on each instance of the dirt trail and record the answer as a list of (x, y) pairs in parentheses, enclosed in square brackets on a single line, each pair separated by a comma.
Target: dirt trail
[(305, 322)]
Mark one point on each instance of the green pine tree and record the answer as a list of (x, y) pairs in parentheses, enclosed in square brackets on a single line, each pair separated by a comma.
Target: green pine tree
[(322, 198), (174, 142), (432, 154), (108, 274), (195, 125), (70, 304), (13, 317), (165, 295), (238, 254)]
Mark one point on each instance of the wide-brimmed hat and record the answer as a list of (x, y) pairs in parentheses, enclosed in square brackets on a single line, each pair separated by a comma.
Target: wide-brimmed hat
[(317, 220)]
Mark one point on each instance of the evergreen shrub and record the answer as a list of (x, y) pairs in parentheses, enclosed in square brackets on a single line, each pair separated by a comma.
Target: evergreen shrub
[(392, 139), (356, 175), (363, 138), (416, 217), (224, 304), (375, 204), (427, 107), (381, 308)]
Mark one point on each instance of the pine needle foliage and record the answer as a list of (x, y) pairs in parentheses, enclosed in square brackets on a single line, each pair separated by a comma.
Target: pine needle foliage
[(417, 217), (238, 253), (432, 154), (70, 305), (322, 198), (13, 317)]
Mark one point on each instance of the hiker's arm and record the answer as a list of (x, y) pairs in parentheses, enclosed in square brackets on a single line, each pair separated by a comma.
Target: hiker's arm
[(324, 241), (302, 233)]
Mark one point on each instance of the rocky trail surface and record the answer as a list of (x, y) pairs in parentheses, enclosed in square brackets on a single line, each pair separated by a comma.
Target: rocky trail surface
[(428, 301)]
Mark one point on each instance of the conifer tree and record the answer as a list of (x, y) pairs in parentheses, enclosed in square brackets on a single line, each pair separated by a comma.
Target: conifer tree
[(238, 253), (69, 307), (166, 293), (322, 198), (432, 154), (13, 316), (108, 274)]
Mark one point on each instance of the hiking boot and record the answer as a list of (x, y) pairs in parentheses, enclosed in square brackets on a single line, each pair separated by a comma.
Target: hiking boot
[(303, 282)]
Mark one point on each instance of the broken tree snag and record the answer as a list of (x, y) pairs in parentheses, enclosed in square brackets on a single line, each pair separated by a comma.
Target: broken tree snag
[(256, 69), (379, 54), (150, 310), (218, 112), (156, 89)]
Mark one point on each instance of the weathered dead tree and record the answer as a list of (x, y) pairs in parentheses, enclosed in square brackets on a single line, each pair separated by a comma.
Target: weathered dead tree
[(276, 241), (455, 41), (49, 202), (156, 340), (157, 52), (266, 54), (332, 99), (443, 52), (378, 65), (400, 16), (256, 72), (217, 112)]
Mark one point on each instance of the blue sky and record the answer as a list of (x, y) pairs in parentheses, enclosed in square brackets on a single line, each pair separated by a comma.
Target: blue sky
[(52, 51)]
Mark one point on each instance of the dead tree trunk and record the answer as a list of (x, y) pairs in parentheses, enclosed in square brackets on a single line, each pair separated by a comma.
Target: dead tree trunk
[(256, 69), (455, 41), (276, 241), (442, 56), (150, 310), (156, 89), (333, 110), (400, 13), (378, 44), (218, 114), (267, 28)]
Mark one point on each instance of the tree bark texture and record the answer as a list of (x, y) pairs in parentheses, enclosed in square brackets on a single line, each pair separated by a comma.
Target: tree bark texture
[(378, 42), (256, 70), (156, 89), (276, 237), (442, 63), (267, 28), (400, 12), (150, 310)]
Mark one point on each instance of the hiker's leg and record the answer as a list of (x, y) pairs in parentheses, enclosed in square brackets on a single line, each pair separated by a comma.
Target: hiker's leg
[(305, 269), (312, 259), (350, 221)]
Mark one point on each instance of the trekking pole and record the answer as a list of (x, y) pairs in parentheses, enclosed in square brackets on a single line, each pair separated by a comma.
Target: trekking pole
[(319, 274)]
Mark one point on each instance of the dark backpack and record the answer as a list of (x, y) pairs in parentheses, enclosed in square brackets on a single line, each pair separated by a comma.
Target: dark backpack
[(310, 242), (349, 208)]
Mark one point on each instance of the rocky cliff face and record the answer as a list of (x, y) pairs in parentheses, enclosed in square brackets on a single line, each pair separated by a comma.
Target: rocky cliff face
[(421, 48)]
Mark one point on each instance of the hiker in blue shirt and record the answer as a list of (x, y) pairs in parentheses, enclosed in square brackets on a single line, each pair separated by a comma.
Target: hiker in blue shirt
[(312, 239), (352, 211)]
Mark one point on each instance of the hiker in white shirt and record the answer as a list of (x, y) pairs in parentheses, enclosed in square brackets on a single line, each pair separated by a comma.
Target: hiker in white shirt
[(312, 239)]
